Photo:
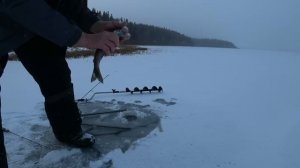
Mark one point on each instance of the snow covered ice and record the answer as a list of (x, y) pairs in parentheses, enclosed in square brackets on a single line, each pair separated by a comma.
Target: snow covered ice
[(220, 108)]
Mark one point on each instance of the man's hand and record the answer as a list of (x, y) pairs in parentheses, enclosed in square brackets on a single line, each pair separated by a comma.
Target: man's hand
[(104, 37), (106, 41), (111, 26)]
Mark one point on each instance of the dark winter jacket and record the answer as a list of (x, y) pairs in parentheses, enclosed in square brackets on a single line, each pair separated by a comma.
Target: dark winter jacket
[(60, 21)]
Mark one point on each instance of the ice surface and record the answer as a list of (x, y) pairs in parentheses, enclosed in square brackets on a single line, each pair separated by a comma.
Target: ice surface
[(220, 108)]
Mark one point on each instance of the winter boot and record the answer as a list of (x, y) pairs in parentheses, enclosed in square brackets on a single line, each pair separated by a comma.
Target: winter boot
[(64, 117), (82, 140)]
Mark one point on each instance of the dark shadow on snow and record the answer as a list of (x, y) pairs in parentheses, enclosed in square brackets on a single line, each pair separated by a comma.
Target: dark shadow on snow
[(118, 130), (113, 131)]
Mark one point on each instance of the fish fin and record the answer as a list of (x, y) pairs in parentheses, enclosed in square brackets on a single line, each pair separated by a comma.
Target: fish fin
[(93, 78), (97, 76)]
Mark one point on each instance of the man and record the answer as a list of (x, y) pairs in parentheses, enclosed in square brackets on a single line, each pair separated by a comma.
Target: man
[(39, 31)]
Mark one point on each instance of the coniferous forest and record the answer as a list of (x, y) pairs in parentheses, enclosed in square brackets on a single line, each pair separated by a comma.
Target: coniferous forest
[(142, 34)]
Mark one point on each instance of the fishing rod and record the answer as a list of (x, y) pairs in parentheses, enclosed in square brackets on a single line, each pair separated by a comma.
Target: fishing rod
[(104, 112), (93, 88)]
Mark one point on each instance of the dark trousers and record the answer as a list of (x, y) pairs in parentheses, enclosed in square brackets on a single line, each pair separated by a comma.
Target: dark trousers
[(3, 159), (46, 62)]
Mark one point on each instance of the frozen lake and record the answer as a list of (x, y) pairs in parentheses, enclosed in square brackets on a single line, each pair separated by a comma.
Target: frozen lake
[(220, 108)]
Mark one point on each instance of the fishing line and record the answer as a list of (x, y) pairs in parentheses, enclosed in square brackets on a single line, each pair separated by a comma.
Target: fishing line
[(27, 139), (93, 88)]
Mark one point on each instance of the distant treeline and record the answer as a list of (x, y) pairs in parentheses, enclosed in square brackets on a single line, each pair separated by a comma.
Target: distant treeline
[(142, 34)]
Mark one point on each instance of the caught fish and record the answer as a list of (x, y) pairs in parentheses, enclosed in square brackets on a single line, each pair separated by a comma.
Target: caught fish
[(99, 54)]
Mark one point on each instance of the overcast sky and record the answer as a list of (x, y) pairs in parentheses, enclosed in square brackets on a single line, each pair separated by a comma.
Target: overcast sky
[(253, 24)]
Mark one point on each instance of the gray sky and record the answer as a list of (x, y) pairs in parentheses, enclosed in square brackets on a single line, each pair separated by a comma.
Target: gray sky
[(253, 24)]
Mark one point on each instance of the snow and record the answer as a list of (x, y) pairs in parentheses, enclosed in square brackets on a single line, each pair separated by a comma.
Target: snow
[(225, 108), (55, 156)]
